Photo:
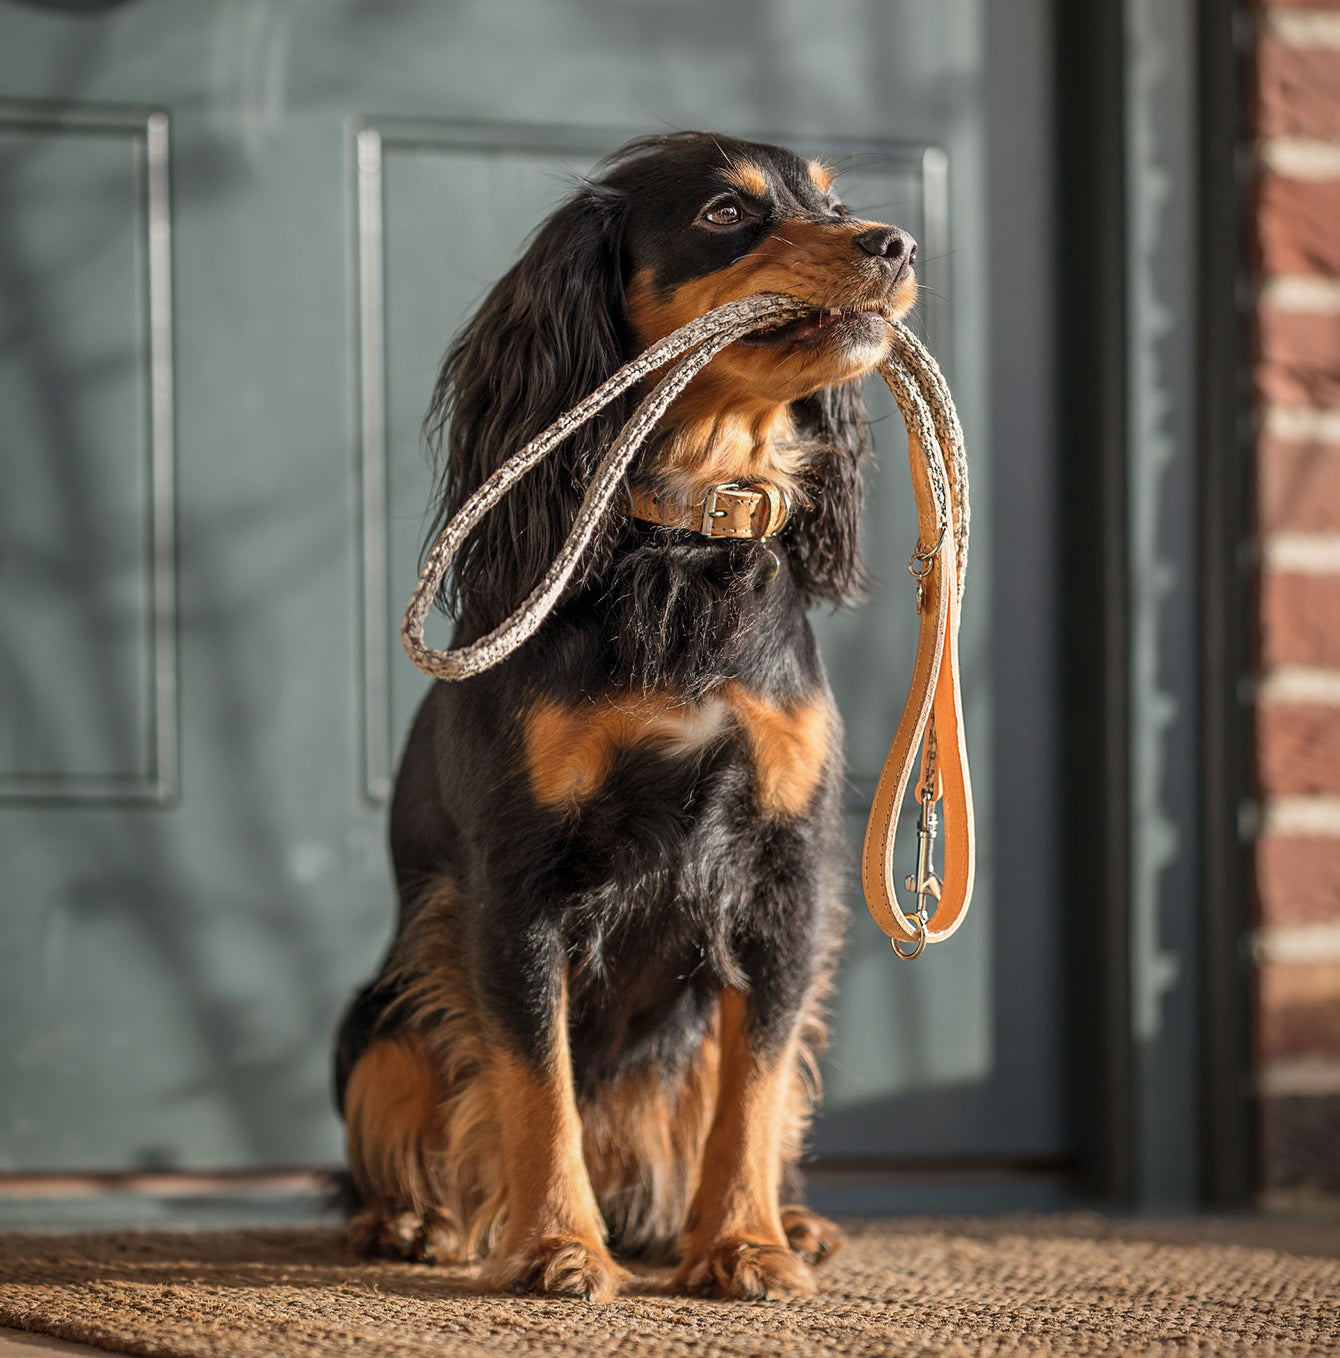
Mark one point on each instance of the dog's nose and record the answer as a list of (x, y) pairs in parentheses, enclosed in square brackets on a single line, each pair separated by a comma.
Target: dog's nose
[(891, 244)]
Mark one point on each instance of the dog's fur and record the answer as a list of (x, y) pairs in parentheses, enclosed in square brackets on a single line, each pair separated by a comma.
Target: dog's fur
[(617, 852)]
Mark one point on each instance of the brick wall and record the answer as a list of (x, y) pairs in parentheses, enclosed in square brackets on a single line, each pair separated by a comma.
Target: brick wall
[(1297, 380)]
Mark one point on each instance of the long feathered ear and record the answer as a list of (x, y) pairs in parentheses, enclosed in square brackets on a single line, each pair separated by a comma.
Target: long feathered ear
[(824, 538), (548, 334)]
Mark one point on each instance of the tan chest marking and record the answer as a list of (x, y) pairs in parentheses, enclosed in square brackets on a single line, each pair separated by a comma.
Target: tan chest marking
[(790, 747), (570, 749)]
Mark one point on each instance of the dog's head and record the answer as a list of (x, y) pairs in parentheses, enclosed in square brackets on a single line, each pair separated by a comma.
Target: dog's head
[(710, 220), (671, 227)]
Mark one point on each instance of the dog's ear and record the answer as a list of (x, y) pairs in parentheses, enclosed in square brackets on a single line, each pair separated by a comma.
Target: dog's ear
[(547, 335), (823, 541)]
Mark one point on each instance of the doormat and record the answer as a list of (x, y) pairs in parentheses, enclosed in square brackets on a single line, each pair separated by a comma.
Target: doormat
[(952, 1289)]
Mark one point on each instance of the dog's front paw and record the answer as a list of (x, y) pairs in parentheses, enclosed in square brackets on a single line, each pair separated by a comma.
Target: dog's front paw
[(558, 1266), (737, 1269), (433, 1236), (811, 1236)]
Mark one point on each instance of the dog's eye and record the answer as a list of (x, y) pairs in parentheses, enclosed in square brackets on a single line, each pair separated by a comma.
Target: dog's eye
[(725, 213), (838, 210)]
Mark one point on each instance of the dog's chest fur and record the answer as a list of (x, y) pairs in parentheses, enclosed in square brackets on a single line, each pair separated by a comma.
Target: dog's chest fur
[(654, 872), (654, 821)]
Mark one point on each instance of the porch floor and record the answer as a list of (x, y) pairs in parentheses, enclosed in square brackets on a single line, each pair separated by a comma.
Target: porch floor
[(1077, 1284)]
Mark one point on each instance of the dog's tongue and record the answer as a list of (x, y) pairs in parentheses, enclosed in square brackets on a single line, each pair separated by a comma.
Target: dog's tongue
[(807, 327)]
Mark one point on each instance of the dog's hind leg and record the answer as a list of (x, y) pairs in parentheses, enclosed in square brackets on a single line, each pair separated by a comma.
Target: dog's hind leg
[(393, 1113), (643, 1135), (814, 1238)]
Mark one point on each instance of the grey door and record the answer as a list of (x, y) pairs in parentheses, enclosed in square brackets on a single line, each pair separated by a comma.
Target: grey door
[(236, 237)]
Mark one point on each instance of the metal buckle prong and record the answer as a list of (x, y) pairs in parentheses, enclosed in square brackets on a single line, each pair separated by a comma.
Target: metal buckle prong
[(710, 510)]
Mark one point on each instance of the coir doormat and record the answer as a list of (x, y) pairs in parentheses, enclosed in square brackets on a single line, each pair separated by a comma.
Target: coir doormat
[(945, 1288)]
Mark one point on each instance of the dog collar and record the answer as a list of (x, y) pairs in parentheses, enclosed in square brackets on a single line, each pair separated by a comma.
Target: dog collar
[(728, 510)]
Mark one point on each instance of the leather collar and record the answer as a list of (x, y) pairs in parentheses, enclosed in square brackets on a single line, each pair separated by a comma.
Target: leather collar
[(729, 510)]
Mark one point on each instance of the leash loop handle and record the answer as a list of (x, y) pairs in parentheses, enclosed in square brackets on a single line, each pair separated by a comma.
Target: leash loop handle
[(933, 714)]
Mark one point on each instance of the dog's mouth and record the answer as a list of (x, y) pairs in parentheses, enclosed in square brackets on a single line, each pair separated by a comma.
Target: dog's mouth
[(857, 323)]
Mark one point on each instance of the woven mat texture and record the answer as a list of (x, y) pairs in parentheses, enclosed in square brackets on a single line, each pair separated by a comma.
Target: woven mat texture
[(952, 1289)]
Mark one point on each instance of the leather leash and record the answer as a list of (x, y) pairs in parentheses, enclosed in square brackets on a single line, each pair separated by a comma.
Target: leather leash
[(933, 714)]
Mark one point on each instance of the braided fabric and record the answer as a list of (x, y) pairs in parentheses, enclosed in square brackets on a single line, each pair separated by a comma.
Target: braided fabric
[(930, 396), (917, 384)]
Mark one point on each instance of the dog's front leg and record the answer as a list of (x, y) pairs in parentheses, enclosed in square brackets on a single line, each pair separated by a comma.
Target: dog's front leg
[(737, 1246), (553, 1241)]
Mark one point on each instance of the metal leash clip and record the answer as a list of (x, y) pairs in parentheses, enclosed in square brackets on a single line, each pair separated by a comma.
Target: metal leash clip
[(925, 883)]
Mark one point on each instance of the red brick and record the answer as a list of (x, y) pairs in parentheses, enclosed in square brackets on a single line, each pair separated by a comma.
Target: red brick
[(1298, 486), (1298, 357), (1298, 90), (1299, 1136), (1300, 619), (1298, 1010), (1296, 225), (1298, 748), (1297, 880)]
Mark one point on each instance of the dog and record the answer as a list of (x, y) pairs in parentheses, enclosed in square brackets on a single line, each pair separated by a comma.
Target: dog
[(618, 853)]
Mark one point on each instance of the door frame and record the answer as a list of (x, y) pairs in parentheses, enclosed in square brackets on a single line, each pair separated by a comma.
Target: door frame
[(1111, 1099)]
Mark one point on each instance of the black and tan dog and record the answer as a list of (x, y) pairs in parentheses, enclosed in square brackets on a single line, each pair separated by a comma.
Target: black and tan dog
[(617, 853)]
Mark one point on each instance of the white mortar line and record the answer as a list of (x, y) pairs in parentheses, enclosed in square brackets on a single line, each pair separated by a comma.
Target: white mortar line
[(1297, 943), (1304, 553), (1311, 816), (1302, 424), (1301, 157), (1304, 28), (1300, 292), (1301, 1075), (1299, 684)]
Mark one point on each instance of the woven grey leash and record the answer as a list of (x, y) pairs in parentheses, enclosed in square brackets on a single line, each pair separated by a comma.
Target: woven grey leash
[(927, 408), (920, 391)]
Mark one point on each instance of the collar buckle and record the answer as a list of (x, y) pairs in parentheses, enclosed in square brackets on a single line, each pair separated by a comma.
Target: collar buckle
[(710, 511), (730, 509)]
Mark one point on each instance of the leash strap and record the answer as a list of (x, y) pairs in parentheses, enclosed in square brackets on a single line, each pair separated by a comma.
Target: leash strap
[(933, 715)]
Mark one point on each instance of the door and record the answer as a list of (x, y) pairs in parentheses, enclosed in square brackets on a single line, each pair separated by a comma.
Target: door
[(237, 236)]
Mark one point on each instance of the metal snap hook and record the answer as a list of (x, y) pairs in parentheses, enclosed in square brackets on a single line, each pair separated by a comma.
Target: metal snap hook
[(923, 882)]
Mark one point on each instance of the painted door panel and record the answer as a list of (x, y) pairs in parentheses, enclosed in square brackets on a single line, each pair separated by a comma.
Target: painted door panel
[(237, 237)]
